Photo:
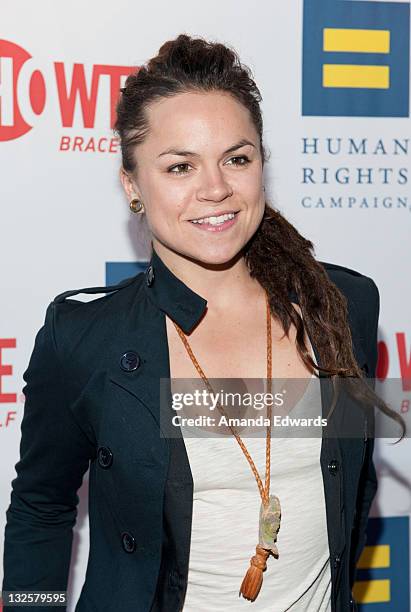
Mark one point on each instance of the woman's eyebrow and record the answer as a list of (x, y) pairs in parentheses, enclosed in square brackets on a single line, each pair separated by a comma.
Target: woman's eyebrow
[(238, 145)]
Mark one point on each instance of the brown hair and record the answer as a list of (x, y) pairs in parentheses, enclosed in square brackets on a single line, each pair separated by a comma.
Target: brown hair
[(189, 64)]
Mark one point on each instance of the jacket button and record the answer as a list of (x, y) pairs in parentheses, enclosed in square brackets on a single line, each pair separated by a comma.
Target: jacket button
[(129, 361), (149, 276), (337, 561), (333, 466), (105, 457), (129, 543)]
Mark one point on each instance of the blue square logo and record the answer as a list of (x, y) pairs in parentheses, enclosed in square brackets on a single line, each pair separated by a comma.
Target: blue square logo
[(355, 58), (383, 570)]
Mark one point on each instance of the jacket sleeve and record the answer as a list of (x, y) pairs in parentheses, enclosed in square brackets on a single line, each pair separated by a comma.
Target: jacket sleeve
[(54, 455), (368, 480)]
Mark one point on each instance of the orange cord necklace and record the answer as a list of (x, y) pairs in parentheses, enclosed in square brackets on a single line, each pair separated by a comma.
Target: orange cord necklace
[(270, 509)]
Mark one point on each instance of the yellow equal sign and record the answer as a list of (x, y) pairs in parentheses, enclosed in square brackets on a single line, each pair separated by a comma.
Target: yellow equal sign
[(354, 75), (374, 556), (373, 591), (352, 40)]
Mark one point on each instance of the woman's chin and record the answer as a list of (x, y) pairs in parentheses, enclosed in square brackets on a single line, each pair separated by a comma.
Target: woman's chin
[(216, 256)]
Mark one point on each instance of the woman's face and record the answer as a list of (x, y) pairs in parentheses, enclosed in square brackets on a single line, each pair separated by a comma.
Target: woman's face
[(200, 158)]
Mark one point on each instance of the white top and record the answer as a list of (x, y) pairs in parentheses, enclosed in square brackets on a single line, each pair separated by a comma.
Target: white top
[(226, 508)]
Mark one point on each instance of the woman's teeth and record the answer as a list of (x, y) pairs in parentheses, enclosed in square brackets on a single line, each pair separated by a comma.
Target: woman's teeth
[(214, 220)]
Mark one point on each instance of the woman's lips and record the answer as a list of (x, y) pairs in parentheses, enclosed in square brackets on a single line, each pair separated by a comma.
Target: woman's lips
[(221, 227)]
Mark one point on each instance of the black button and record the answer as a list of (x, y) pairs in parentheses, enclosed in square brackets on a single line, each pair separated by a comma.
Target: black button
[(105, 457), (129, 361), (149, 276), (337, 561), (333, 466), (129, 543)]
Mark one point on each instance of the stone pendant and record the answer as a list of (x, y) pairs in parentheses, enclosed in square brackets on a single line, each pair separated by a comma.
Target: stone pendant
[(269, 524)]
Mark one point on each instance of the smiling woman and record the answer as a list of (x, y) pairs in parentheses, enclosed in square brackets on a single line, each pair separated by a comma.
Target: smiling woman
[(233, 291), (191, 132), (211, 171)]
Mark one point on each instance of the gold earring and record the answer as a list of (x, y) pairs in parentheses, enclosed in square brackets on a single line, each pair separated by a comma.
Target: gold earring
[(137, 206)]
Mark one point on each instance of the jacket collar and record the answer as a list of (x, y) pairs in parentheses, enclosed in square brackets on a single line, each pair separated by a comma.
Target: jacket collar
[(174, 297)]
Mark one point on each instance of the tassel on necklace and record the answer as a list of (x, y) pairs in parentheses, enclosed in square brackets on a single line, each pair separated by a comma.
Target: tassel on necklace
[(253, 579)]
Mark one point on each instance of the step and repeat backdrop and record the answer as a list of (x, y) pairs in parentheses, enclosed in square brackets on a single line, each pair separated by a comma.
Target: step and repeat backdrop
[(334, 76)]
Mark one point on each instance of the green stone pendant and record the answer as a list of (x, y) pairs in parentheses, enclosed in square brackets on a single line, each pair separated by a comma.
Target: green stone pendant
[(270, 517)]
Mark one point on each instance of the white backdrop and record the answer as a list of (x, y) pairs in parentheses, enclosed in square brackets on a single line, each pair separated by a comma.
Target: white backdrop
[(64, 217)]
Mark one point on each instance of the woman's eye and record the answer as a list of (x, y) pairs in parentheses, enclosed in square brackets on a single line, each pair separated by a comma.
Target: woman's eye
[(244, 159), (173, 169)]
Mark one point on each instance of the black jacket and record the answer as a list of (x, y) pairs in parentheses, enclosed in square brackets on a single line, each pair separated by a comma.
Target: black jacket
[(92, 401)]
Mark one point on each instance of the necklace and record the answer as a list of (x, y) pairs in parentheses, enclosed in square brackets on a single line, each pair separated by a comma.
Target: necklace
[(270, 509)]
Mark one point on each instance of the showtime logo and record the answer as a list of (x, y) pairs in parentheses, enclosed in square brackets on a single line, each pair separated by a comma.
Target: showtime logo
[(7, 416), (73, 98)]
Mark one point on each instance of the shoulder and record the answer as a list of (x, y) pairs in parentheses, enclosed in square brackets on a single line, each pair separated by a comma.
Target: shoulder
[(66, 296), (359, 289), (117, 292), (363, 303), (71, 316), (81, 332)]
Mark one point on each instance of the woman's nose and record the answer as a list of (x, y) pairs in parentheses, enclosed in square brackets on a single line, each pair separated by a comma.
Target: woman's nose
[(214, 186)]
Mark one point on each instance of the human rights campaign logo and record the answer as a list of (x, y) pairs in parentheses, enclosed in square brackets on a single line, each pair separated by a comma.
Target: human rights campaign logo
[(383, 570), (356, 58)]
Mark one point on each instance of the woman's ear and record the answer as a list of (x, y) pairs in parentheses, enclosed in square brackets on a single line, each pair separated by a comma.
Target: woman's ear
[(128, 184)]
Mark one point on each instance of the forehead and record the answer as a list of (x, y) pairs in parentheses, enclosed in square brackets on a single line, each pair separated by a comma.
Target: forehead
[(199, 116)]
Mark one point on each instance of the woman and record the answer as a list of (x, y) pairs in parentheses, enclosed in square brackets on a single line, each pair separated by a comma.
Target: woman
[(232, 291)]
